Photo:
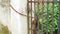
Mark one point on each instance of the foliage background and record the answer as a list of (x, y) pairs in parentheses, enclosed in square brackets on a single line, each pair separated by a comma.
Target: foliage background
[(52, 22)]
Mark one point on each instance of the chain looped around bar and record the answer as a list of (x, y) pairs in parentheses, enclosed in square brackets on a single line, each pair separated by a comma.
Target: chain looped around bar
[(19, 12)]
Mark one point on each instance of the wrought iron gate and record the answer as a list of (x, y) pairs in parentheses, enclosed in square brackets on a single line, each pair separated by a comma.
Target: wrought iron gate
[(45, 16)]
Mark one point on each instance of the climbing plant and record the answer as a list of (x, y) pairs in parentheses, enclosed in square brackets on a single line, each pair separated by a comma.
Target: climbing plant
[(52, 21)]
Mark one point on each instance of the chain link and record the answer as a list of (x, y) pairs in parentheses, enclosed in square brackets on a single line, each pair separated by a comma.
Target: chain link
[(19, 12)]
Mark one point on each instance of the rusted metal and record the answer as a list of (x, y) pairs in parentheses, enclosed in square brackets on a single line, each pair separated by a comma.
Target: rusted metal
[(31, 17), (19, 12), (33, 25), (33, 31), (28, 16), (43, 1), (36, 17)]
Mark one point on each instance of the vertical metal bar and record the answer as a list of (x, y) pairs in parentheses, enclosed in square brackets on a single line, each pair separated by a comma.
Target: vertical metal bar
[(31, 16), (35, 15), (34, 9), (27, 17), (59, 19), (42, 15), (52, 17), (47, 18), (38, 17), (34, 29)]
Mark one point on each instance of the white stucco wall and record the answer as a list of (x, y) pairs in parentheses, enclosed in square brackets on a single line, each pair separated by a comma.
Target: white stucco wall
[(18, 22), (5, 15)]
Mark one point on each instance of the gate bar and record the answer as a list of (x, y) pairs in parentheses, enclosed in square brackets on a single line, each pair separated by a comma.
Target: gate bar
[(43, 1), (31, 16), (47, 19), (27, 17), (42, 16), (59, 20), (52, 17), (38, 17)]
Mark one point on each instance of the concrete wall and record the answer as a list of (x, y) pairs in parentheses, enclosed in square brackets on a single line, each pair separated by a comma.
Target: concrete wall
[(16, 23), (19, 23)]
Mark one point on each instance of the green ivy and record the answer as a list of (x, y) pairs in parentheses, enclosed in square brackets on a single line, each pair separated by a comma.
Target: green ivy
[(50, 12)]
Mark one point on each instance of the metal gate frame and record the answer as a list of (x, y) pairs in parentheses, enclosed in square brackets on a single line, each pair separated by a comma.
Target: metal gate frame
[(29, 11)]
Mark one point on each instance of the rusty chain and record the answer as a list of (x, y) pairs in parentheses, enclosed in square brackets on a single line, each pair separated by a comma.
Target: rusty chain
[(19, 12)]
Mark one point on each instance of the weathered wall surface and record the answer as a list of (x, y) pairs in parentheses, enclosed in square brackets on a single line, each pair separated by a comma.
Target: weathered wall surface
[(19, 23), (15, 22), (5, 13)]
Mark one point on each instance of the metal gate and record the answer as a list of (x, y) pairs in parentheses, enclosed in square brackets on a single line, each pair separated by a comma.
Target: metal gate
[(45, 16)]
